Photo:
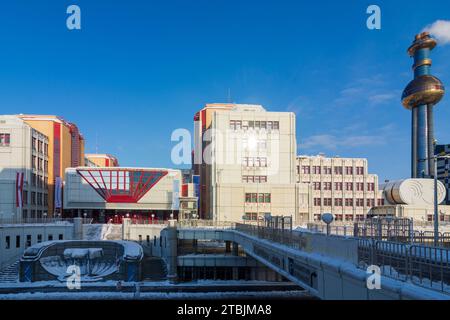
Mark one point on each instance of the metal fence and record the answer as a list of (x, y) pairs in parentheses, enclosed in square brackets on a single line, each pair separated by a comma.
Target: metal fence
[(422, 265), (4, 221), (425, 266), (283, 236)]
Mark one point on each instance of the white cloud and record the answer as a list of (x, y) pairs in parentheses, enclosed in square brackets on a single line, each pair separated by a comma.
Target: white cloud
[(440, 29)]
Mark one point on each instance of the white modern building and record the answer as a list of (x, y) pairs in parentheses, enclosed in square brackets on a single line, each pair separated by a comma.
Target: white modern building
[(106, 193), (341, 186), (246, 157), (22, 150)]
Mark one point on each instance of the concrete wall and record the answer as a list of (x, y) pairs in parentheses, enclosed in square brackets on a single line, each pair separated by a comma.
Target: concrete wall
[(13, 253)]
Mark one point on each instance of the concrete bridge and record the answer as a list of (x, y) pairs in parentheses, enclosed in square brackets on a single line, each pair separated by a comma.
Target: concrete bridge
[(328, 267)]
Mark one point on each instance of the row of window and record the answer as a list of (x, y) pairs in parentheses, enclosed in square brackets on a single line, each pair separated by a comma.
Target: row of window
[(252, 216), (257, 198), (338, 186), (39, 164), (340, 217), (254, 179), (254, 145), (39, 181), (254, 162), (254, 125), (349, 202), (39, 146), (5, 139), (37, 198), (28, 240), (328, 170)]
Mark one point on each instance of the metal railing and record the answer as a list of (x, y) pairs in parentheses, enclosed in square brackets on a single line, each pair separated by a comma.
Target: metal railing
[(4, 221), (196, 223), (425, 266), (284, 236), (422, 265)]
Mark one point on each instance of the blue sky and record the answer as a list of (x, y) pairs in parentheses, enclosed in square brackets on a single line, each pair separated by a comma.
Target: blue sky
[(140, 69)]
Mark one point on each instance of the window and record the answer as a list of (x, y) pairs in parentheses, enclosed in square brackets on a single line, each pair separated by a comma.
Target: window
[(349, 217), (359, 186), (349, 170), (5, 139), (154, 240), (317, 202), (33, 197), (251, 216), (232, 124), (33, 162), (306, 169), (349, 202), (327, 202), (28, 243), (60, 236), (380, 202), (7, 242), (263, 125), (17, 241), (45, 199), (50, 237), (39, 238), (33, 143), (316, 185), (327, 170), (316, 170), (338, 186), (371, 202), (338, 170), (267, 197), (371, 186), (261, 198), (327, 186), (46, 149), (263, 162), (360, 202), (148, 239), (276, 125), (349, 186), (338, 202), (269, 125), (25, 197), (140, 238)]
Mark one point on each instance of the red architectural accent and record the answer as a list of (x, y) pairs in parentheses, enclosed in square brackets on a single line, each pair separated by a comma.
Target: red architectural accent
[(57, 149), (121, 185)]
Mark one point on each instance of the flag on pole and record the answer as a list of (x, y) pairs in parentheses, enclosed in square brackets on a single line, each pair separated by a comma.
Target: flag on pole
[(58, 193), (19, 189), (176, 195)]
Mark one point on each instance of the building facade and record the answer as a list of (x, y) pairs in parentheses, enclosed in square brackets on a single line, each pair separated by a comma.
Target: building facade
[(102, 160), (341, 186), (65, 150), (109, 194), (23, 150), (245, 157), (443, 169)]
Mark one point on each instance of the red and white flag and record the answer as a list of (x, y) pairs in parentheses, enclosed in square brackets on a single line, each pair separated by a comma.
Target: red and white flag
[(19, 189)]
